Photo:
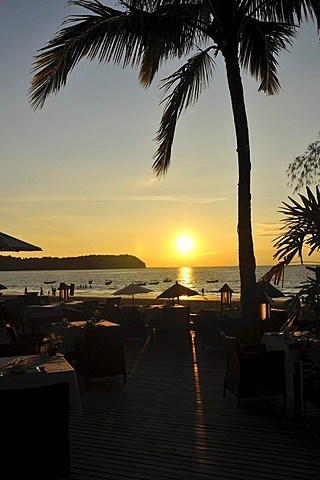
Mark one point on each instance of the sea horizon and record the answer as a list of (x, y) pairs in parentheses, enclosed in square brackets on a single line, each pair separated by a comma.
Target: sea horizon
[(207, 281)]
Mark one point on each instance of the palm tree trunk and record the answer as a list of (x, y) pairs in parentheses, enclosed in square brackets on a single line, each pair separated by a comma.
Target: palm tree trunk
[(247, 263)]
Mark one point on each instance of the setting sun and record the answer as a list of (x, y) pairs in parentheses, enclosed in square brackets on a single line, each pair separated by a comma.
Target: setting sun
[(184, 244)]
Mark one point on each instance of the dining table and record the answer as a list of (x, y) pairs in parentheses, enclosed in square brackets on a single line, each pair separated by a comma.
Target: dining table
[(294, 344), (30, 371), (71, 330)]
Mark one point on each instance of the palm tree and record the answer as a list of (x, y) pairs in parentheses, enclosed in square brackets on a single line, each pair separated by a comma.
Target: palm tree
[(249, 34)]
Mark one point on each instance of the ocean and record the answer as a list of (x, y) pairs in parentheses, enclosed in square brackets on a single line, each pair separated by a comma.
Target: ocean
[(93, 282)]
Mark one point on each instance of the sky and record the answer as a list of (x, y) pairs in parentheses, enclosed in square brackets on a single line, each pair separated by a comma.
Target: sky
[(76, 176)]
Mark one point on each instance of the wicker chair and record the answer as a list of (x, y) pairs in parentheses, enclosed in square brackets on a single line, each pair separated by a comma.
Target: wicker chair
[(173, 325), (84, 313), (101, 353), (134, 324), (252, 371), (18, 338)]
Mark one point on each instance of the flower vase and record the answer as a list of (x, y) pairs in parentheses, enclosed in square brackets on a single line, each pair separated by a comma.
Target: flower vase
[(52, 351)]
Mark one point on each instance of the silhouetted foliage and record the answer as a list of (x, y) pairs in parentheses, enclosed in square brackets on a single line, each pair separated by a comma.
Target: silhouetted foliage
[(305, 169), (89, 262)]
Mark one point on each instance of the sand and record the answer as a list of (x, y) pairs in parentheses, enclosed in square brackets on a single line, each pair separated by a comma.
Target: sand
[(195, 303)]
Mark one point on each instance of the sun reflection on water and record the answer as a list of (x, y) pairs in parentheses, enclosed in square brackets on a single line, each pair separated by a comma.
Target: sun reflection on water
[(186, 276)]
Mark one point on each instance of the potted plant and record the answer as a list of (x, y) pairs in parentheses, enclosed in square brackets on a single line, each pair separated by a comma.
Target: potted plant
[(50, 344)]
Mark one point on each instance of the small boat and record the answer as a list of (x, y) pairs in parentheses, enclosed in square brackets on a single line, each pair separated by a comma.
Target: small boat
[(50, 281), (155, 282), (108, 282), (141, 284), (167, 280), (213, 280)]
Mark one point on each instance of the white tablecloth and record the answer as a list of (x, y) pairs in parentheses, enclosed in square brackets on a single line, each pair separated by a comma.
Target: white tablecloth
[(277, 341), (57, 368)]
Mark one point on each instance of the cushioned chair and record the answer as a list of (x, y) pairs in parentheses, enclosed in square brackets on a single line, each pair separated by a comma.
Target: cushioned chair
[(36, 435), (252, 371), (101, 353), (173, 324)]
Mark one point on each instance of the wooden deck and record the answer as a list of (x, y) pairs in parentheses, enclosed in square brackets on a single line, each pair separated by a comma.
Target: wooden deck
[(171, 422)]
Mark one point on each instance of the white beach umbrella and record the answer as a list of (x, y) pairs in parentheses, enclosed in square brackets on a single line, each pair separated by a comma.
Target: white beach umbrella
[(132, 289), (12, 244)]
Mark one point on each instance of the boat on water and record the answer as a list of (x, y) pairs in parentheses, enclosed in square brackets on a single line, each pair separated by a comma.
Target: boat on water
[(167, 280), (50, 281), (154, 282), (108, 282), (141, 284), (213, 280)]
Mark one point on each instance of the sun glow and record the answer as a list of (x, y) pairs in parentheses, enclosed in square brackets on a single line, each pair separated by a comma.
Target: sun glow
[(184, 244)]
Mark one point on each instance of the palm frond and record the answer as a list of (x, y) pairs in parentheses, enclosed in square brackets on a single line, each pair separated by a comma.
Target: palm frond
[(301, 226), (191, 79), (260, 43), (88, 36), (129, 37), (294, 11)]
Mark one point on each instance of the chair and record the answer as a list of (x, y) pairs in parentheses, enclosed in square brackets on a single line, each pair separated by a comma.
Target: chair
[(23, 348), (101, 353), (113, 302), (173, 324), (252, 371), (111, 310), (84, 313), (36, 442), (28, 337), (13, 311), (133, 324), (208, 327)]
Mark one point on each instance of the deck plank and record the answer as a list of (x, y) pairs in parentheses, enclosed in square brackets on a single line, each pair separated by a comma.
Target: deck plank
[(171, 422)]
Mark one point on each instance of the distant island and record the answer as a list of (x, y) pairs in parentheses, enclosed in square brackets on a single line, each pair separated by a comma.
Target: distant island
[(87, 262)]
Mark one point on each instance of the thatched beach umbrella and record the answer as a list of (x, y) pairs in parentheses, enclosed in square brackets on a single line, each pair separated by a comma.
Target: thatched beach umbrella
[(270, 290), (177, 290)]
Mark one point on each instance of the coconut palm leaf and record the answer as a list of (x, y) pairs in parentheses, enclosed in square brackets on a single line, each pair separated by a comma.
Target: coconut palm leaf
[(191, 79), (301, 225)]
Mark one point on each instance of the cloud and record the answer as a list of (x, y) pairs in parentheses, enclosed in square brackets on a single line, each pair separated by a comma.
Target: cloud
[(271, 229)]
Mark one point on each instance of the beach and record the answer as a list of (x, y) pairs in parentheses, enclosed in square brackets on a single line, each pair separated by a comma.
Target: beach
[(195, 303)]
